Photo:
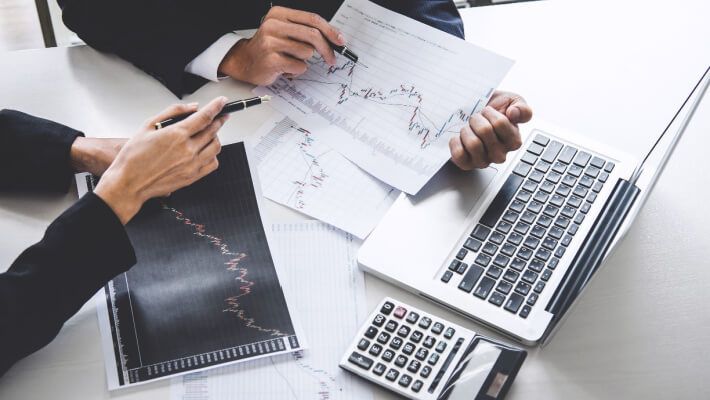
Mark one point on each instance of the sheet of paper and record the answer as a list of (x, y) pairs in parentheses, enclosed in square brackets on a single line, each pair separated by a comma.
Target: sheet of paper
[(205, 290), (298, 170), (318, 263), (394, 112)]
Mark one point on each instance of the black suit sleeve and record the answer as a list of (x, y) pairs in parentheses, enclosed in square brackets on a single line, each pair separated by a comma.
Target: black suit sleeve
[(34, 153), (440, 14), (80, 251), (160, 37)]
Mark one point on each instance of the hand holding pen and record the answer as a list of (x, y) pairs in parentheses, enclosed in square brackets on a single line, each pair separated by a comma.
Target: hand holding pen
[(281, 46)]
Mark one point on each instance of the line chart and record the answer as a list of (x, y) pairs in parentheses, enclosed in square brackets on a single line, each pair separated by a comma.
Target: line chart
[(394, 118), (245, 285), (298, 170)]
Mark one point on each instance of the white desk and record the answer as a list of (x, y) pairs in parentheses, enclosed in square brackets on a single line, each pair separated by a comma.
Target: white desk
[(616, 70)]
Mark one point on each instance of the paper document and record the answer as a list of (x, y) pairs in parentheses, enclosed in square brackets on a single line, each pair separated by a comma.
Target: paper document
[(394, 111), (205, 290), (298, 170), (318, 262)]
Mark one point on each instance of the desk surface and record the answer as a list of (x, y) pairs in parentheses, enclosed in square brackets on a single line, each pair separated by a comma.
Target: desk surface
[(614, 71)]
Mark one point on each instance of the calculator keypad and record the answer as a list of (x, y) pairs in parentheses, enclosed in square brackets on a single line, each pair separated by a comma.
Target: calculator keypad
[(405, 349)]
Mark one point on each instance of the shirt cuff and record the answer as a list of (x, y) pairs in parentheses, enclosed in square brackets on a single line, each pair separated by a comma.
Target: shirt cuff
[(207, 63)]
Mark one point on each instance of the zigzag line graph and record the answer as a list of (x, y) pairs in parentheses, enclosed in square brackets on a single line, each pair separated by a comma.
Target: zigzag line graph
[(245, 285), (405, 96), (315, 176)]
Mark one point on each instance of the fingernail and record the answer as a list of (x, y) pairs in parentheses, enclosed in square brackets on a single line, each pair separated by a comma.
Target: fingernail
[(193, 105), (514, 114), (224, 100), (341, 38)]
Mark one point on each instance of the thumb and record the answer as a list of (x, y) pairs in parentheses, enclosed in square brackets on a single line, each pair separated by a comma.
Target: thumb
[(518, 111)]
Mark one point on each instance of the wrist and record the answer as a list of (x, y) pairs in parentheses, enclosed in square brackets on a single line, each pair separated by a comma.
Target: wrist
[(119, 195), (233, 62), (79, 155)]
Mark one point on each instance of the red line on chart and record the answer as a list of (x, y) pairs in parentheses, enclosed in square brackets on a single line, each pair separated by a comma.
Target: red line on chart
[(245, 285), (315, 175)]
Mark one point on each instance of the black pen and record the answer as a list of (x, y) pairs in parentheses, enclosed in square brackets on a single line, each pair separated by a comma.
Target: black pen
[(344, 51), (227, 109)]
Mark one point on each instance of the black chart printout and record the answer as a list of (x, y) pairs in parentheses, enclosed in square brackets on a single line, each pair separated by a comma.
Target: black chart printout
[(204, 291)]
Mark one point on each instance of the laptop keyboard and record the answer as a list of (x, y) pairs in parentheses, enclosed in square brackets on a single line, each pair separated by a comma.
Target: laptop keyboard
[(514, 249)]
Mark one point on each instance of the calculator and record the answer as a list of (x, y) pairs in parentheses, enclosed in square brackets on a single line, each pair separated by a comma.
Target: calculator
[(420, 356)]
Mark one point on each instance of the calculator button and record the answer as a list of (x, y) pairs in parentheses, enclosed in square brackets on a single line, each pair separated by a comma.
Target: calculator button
[(392, 374), (421, 354), (375, 349), (360, 360), (401, 361), (429, 342), (425, 322), (433, 359), (403, 331), (449, 333), (363, 344), (391, 326), (417, 386), (437, 328), (383, 338), (441, 347), (416, 336), (426, 371), (408, 348), (371, 332), (387, 308), (414, 366), (412, 317), (400, 312), (379, 320), (396, 343), (379, 369), (388, 355), (405, 380)]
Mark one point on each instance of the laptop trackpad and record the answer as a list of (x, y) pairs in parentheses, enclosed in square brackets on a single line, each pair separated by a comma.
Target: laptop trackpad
[(419, 231)]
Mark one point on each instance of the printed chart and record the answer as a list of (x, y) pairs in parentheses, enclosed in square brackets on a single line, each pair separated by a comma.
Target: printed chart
[(320, 261), (204, 291), (298, 170), (394, 112)]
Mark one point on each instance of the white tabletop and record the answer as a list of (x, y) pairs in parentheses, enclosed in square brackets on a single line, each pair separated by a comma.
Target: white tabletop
[(615, 70)]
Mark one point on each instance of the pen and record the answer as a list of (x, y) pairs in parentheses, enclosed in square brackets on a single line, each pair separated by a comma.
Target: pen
[(344, 51), (227, 109)]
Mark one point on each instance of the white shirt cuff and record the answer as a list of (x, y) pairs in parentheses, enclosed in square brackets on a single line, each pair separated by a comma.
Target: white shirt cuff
[(207, 63)]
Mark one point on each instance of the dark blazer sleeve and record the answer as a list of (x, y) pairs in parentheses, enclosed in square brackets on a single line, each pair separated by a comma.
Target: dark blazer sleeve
[(160, 37), (34, 153), (80, 251), (440, 14)]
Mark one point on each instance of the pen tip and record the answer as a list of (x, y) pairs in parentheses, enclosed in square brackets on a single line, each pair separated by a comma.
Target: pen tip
[(265, 98)]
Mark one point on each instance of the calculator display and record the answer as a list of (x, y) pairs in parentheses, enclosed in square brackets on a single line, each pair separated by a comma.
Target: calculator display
[(476, 367)]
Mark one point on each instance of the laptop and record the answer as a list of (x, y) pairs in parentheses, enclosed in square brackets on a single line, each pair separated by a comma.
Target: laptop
[(514, 246)]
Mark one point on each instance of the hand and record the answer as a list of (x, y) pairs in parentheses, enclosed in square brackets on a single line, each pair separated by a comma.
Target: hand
[(94, 155), (284, 41), (492, 133), (156, 163)]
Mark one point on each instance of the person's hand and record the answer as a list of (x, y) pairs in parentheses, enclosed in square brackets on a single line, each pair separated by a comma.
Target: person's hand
[(492, 133), (94, 155), (284, 41), (155, 163)]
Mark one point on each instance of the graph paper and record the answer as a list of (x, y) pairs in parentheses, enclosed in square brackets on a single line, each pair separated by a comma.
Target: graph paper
[(393, 112), (318, 261), (298, 170)]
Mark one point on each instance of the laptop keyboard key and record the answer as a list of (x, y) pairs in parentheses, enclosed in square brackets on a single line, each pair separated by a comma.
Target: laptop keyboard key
[(494, 272), (514, 302), (504, 287), (497, 238), (518, 264), (525, 311), (508, 249), (483, 260), (470, 279), (522, 288), (496, 299), (500, 202), (447, 276), (551, 152), (480, 232), (484, 288), (472, 244)]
